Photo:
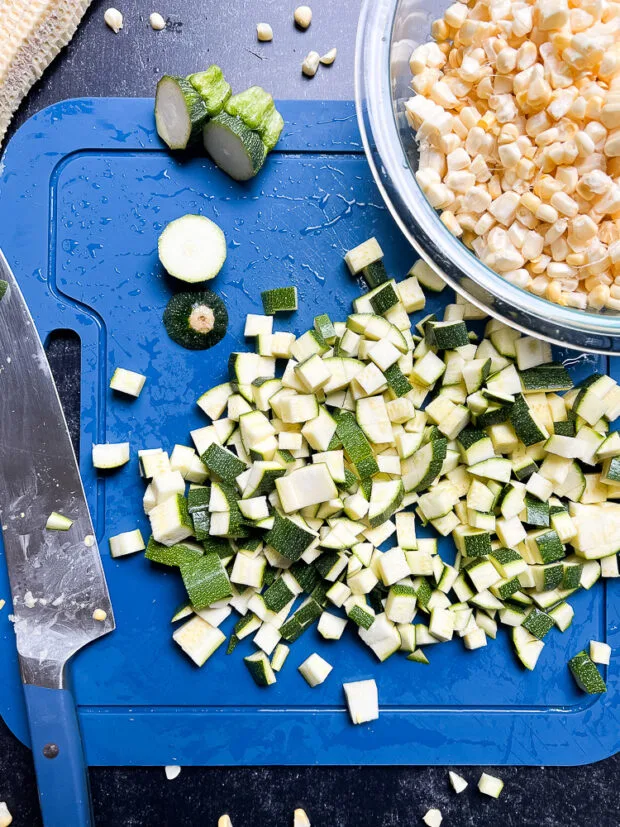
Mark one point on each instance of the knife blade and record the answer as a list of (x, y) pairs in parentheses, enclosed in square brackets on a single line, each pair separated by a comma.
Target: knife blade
[(57, 579)]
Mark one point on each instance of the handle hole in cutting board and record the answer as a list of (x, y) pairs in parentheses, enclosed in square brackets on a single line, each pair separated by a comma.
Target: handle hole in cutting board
[(64, 354)]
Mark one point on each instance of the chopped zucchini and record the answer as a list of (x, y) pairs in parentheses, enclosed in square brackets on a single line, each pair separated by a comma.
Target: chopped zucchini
[(279, 300), (586, 675)]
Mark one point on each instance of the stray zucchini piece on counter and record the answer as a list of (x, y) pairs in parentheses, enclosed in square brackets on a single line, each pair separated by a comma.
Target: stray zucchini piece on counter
[(58, 522), (586, 675), (433, 818), (172, 771), (362, 700), (127, 381), (192, 248), (110, 455), (279, 300), (196, 321), (300, 818), (457, 781), (490, 785)]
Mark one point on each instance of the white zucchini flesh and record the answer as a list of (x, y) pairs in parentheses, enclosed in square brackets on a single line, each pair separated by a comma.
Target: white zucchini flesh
[(58, 522), (236, 150), (331, 627), (433, 818), (129, 542), (362, 700), (172, 115), (457, 781), (172, 771), (600, 652), (198, 639), (127, 381), (192, 249), (315, 670), (300, 818), (490, 785), (110, 455), (306, 486)]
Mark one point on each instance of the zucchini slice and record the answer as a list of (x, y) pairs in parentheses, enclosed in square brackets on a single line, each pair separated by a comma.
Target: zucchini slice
[(233, 146), (196, 321), (4, 286), (192, 249), (180, 112)]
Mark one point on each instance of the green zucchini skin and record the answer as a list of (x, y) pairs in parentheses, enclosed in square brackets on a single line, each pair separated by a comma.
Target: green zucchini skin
[(4, 285), (212, 87), (177, 314)]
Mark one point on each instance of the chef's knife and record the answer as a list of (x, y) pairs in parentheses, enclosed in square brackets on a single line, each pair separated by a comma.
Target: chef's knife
[(57, 580)]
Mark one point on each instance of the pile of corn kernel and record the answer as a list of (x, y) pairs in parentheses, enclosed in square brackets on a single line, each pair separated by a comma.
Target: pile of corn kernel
[(517, 116)]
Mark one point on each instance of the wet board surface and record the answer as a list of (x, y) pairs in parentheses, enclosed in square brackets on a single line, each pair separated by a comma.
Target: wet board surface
[(85, 189)]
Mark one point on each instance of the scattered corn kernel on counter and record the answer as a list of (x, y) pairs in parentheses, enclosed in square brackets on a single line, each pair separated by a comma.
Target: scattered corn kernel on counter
[(291, 227)]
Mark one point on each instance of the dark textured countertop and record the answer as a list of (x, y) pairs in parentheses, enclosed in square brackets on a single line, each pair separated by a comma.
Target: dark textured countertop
[(98, 62)]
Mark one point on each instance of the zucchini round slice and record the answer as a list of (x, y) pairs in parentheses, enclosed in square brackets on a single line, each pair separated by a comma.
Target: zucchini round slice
[(192, 248), (196, 321), (233, 146), (180, 111)]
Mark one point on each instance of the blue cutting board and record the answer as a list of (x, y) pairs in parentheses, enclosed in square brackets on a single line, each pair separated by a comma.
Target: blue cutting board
[(86, 188)]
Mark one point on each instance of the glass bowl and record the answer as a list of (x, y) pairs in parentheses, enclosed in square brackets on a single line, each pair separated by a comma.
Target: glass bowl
[(388, 31)]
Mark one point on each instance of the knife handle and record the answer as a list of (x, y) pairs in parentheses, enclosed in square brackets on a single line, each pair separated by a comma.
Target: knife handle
[(63, 776)]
